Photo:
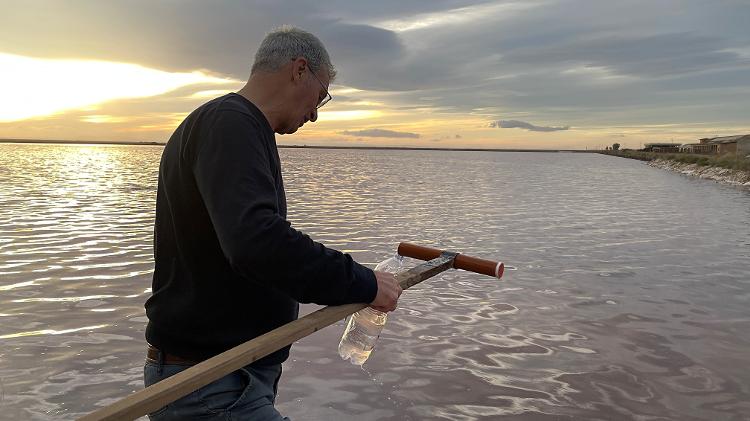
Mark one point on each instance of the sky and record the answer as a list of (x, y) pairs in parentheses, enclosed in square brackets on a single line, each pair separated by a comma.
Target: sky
[(531, 74)]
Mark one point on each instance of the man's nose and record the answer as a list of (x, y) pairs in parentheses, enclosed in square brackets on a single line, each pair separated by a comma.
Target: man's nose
[(313, 115)]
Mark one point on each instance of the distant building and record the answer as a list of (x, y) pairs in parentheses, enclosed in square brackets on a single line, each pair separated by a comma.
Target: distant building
[(726, 144), (701, 148), (661, 147), (706, 146), (743, 145)]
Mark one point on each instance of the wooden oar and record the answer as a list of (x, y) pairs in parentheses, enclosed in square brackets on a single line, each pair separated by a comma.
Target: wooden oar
[(172, 388)]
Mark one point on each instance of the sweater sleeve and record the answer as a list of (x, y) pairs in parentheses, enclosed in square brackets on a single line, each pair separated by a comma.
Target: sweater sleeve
[(233, 175)]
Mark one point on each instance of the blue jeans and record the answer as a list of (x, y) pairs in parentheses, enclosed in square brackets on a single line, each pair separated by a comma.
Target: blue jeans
[(246, 394)]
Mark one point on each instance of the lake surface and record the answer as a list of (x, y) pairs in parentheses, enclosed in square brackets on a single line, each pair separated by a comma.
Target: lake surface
[(631, 298)]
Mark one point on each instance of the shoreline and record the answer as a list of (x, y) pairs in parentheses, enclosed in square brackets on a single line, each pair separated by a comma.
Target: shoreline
[(396, 148), (718, 174), (703, 169)]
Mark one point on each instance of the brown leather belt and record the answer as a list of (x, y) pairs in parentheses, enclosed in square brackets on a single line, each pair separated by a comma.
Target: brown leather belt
[(153, 355)]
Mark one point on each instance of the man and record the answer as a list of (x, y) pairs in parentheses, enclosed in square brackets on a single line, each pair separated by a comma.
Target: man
[(229, 267)]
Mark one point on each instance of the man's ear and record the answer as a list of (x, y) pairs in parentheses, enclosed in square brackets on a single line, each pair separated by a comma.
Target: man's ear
[(299, 66)]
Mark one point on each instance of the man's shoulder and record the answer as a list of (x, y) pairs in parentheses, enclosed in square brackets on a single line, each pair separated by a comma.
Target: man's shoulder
[(233, 108), (230, 101)]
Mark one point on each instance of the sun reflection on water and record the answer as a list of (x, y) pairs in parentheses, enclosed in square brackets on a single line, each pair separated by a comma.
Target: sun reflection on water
[(51, 331)]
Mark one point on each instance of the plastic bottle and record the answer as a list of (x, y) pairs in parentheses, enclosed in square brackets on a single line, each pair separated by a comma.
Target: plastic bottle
[(364, 327)]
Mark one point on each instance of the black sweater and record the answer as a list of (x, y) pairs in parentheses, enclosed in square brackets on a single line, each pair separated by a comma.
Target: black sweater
[(228, 265)]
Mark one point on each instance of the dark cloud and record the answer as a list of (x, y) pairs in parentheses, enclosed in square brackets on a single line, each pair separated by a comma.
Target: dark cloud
[(655, 55), (361, 42), (517, 124), (619, 63), (192, 35), (380, 133)]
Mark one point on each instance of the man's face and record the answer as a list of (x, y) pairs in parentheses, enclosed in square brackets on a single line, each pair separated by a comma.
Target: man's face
[(311, 90)]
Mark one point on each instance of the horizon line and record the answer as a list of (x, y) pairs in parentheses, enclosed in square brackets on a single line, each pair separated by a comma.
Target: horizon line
[(302, 146)]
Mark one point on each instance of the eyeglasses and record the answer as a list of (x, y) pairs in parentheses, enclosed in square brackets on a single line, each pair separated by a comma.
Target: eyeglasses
[(328, 96)]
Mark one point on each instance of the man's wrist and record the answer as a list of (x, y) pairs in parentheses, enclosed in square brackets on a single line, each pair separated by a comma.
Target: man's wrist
[(364, 287)]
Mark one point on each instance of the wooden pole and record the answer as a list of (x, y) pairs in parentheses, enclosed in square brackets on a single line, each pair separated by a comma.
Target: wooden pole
[(172, 388)]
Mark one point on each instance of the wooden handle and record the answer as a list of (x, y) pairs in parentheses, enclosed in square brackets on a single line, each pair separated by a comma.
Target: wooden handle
[(472, 264)]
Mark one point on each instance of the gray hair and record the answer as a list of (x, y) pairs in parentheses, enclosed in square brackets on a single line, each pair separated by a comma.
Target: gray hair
[(287, 43)]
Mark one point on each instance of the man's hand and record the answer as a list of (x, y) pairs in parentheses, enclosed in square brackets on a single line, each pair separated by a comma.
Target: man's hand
[(388, 292)]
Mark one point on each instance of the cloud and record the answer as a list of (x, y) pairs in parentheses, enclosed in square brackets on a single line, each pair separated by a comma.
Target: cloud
[(224, 40), (637, 55), (457, 16), (517, 124), (586, 62), (380, 133)]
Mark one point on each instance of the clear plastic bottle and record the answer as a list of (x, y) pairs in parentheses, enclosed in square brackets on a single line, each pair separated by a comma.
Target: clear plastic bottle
[(364, 327)]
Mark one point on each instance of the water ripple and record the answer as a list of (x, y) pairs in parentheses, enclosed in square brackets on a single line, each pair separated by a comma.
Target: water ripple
[(625, 295)]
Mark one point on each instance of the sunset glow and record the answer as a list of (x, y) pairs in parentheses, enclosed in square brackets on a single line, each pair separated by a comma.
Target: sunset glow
[(348, 115), (33, 87)]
